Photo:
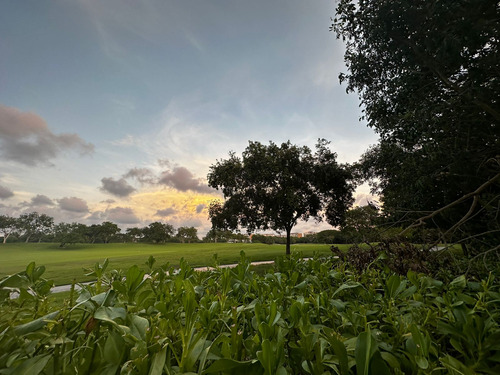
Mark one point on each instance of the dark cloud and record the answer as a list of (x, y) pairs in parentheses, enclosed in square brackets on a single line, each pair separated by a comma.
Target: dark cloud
[(200, 208), (5, 193), (119, 188), (41, 200), (73, 204), (26, 138), (122, 215), (143, 175), (166, 212), (182, 179)]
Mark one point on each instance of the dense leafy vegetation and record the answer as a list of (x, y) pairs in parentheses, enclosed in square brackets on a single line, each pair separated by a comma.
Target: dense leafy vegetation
[(304, 317), (426, 72)]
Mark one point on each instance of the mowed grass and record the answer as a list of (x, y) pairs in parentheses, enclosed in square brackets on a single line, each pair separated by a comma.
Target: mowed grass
[(63, 265)]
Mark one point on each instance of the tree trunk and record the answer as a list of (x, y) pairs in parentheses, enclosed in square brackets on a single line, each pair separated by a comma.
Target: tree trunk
[(288, 230)]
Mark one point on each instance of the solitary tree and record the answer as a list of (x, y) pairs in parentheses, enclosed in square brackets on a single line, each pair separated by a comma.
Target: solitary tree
[(272, 187)]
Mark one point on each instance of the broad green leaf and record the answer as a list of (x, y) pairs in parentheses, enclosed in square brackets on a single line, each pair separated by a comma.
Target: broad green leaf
[(339, 350), (158, 362), (230, 366), (110, 314), (458, 283), (366, 346), (378, 365), (114, 348), (455, 366), (33, 366), (348, 285), (138, 326), (35, 325)]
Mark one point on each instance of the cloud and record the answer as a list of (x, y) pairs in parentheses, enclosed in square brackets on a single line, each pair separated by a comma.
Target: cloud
[(182, 179), (41, 200), (122, 215), (25, 138), (73, 204), (5, 192), (200, 208), (166, 212), (143, 175), (119, 188)]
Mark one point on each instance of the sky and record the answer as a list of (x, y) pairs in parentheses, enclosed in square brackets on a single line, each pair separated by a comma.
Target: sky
[(114, 110)]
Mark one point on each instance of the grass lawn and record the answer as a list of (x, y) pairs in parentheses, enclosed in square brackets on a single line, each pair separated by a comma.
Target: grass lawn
[(63, 265)]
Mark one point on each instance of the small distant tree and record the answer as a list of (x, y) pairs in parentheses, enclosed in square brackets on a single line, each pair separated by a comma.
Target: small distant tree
[(7, 226), (189, 234), (361, 224), (134, 234), (272, 187), (158, 232)]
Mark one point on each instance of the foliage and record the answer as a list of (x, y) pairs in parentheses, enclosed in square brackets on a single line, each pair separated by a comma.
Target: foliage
[(35, 224), (69, 233), (158, 232), (360, 224), (272, 187), (427, 75), (305, 317), (187, 234), (7, 226)]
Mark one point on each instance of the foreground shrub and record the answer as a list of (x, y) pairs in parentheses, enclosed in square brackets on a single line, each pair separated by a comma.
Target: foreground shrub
[(305, 317)]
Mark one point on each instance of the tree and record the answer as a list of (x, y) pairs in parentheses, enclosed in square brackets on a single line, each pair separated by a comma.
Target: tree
[(427, 75), (69, 233), (360, 224), (218, 235), (272, 187), (108, 230), (7, 226), (189, 234), (34, 223), (158, 232), (134, 234)]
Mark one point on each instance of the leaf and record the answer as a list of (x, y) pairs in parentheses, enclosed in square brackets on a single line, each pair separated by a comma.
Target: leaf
[(110, 314), (33, 366), (348, 285), (230, 366), (339, 350), (114, 348), (458, 283), (455, 366), (378, 365), (35, 325), (13, 281), (158, 362), (138, 326), (366, 346)]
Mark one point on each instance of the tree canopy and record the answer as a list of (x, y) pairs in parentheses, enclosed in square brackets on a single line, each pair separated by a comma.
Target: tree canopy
[(272, 187), (427, 73)]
